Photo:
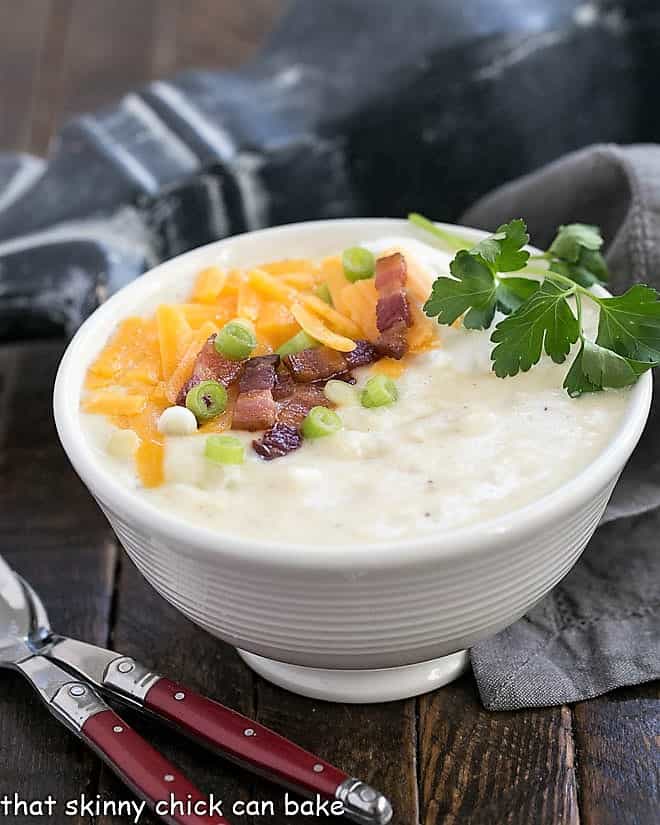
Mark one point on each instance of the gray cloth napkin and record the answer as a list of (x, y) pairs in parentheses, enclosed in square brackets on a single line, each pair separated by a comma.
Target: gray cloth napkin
[(598, 629)]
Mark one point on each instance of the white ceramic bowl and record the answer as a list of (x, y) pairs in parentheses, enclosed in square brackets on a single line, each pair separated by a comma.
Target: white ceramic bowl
[(354, 623)]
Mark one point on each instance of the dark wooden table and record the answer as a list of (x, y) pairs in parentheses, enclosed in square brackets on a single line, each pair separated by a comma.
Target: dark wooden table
[(441, 758)]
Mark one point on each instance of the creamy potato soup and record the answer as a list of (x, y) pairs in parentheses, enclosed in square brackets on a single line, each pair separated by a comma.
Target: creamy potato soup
[(426, 439)]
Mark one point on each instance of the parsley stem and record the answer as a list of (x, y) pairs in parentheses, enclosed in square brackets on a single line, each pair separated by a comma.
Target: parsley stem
[(578, 290), (535, 270), (575, 288), (578, 306), (453, 240)]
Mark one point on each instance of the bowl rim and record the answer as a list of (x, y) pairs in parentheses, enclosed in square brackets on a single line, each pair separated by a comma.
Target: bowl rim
[(194, 539)]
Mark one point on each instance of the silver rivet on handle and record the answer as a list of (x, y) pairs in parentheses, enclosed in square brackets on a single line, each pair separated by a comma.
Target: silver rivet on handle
[(362, 803), (125, 667), (318, 768), (77, 690), (168, 777), (248, 732), (118, 729), (179, 695)]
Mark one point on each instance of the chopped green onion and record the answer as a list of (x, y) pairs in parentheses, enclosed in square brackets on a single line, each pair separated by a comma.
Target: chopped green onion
[(298, 343), (323, 292), (359, 263), (319, 422), (224, 449), (378, 392), (339, 392), (207, 399), (236, 340)]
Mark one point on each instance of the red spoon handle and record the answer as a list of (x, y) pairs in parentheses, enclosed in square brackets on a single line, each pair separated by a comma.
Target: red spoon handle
[(243, 740), (147, 772)]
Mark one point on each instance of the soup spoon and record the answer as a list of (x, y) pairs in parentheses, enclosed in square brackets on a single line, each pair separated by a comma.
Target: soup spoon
[(68, 675)]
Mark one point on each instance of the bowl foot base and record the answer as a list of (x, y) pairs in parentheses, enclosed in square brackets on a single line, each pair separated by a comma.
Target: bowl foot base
[(361, 686)]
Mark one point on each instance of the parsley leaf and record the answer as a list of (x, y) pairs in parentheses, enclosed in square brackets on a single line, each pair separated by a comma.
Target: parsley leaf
[(472, 290), (512, 292), (503, 251), (575, 254), (595, 368), (488, 250), (630, 323), (589, 269), (475, 291), (577, 382), (572, 238), (544, 322), (538, 316)]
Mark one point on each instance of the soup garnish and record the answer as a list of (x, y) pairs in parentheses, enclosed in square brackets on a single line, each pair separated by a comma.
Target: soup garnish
[(273, 349), (539, 316)]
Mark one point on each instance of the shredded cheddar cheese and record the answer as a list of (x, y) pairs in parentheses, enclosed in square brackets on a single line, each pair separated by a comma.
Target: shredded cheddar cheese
[(149, 458), (219, 313), (114, 403), (288, 265), (276, 323), (333, 276), (144, 366), (300, 280), (422, 334), (272, 288), (360, 300), (209, 285), (184, 368), (390, 367), (174, 335), (314, 327), (340, 323), (248, 303)]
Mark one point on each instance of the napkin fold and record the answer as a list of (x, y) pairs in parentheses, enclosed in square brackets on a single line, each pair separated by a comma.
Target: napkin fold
[(598, 629)]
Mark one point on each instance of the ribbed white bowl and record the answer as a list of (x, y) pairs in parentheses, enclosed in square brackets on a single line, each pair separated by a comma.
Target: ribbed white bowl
[(345, 607)]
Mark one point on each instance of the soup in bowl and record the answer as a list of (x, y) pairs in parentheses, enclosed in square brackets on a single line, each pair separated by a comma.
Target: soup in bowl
[(309, 467)]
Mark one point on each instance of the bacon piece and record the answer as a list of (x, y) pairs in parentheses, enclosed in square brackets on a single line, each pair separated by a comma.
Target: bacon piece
[(254, 410), (391, 273), (390, 282), (364, 353), (346, 377), (393, 343), (284, 383), (316, 364), (278, 441), (304, 397), (211, 366), (392, 309), (284, 437), (259, 373), (255, 407)]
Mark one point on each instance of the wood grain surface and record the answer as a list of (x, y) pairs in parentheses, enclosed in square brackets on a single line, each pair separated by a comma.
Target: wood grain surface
[(60, 57), (442, 758)]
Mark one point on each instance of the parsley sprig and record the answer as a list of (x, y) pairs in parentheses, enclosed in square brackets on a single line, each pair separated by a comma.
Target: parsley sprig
[(543, 306)]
